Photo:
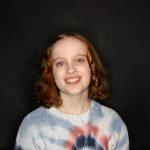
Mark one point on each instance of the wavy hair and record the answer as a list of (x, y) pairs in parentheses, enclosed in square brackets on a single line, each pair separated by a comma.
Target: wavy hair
[(46, 90)]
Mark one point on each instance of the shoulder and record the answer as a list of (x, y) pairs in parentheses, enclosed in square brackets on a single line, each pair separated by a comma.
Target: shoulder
[(108, 114), (32, 117), (36, 114), (36, 118), (28, 129), (104, 110)]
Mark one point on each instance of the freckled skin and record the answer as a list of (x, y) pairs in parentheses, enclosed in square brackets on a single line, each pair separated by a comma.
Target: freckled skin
[(71, 70)]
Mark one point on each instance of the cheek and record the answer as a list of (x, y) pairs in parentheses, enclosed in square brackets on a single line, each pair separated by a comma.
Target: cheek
[(87, 72), (56, 77), (57, 74), (54, 72)]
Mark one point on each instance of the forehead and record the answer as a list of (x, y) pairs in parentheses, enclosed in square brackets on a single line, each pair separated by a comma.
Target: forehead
[(68, 46)]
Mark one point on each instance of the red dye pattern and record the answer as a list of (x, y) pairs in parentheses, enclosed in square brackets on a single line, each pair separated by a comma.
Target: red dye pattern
[(74, 135), (76, 132), (104, 141), (93, 129), (68, 145)]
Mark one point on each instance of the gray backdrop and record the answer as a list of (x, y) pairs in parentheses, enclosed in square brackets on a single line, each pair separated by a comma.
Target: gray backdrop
[(119, 30)]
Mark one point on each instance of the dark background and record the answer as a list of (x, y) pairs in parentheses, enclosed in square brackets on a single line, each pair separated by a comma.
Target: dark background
[(119, 31)]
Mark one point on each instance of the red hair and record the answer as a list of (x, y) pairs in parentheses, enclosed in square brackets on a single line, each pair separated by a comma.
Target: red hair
[(46, 89)]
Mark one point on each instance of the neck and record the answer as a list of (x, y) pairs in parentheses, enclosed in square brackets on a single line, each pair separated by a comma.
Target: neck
[(74, 104)]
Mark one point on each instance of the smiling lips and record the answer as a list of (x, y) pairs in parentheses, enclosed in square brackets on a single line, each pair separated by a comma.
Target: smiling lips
[(73, 80)]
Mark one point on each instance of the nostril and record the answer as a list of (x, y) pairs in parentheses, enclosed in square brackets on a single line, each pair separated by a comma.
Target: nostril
[(71, 69)]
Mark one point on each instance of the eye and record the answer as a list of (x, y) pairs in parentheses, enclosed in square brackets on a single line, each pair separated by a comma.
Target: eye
[(60, 64), (79, 60)]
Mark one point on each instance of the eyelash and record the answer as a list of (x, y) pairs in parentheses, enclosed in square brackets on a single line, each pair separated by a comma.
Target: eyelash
[(77, 61), (59, 64)]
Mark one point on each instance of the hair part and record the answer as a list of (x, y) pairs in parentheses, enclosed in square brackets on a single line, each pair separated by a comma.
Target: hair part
[(46, 90)]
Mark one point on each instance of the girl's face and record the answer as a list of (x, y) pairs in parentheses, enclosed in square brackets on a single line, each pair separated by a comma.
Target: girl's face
[(71, 70)]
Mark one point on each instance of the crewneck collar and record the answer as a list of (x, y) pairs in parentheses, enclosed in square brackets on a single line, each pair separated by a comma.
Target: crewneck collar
[(71, 117)]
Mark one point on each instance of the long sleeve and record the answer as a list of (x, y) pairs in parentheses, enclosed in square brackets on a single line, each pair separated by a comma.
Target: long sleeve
[(119, 139), (28, 137), (123, 139)]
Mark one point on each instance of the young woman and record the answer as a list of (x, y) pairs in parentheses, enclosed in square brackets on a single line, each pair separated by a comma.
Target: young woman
[(72, 77)]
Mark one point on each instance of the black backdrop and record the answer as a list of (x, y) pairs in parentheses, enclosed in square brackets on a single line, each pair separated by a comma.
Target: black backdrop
[(119, 31)]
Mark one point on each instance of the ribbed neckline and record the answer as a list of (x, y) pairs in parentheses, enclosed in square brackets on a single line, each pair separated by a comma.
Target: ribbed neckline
[(72, 118)]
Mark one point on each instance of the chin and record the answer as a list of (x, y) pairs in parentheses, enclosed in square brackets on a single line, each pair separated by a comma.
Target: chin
[(75, 92)]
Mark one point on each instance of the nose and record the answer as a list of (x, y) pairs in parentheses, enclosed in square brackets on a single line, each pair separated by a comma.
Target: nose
[(71, 69)]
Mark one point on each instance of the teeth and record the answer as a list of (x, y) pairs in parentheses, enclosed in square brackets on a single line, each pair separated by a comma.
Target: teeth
[(72, 79)]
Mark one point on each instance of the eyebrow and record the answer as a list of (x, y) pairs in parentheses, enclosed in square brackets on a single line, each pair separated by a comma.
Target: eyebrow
[(64, 57)]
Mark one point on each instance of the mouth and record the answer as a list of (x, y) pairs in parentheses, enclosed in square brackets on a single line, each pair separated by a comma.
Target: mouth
[(72, 80)]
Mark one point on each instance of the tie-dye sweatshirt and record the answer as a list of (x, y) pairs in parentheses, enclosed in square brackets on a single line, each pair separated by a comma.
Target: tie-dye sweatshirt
[(100, 128)]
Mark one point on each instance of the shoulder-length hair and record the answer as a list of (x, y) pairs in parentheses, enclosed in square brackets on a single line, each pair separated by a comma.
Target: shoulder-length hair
[(46, 90)]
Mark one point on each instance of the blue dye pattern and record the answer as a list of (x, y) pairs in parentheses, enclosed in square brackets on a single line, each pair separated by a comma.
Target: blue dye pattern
[(41, 117), (91, 143), (18, 148), (116, 124)]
